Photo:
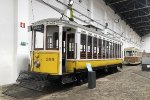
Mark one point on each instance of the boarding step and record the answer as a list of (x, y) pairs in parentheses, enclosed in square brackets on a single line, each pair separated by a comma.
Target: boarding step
[(68, 79)]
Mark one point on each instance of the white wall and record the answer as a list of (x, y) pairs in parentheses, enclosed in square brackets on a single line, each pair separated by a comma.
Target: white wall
[(146, 43), (7, 41)]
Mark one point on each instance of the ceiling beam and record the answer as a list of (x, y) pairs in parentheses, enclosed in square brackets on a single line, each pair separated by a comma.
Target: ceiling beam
[(143, 30), (141, 26), (135, 9), (137, 17), (140, 22), (117, 2)]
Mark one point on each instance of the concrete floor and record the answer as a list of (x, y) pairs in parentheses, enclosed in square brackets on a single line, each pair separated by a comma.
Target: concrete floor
[(129, 84)]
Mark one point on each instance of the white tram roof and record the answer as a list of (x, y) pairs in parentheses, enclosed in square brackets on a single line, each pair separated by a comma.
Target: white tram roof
[(57, 21)]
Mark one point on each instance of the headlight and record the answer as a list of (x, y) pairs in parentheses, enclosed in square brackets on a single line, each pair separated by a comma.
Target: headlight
[(37, 63)]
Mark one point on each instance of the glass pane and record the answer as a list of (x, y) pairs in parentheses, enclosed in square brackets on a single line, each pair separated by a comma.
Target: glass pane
[(52, 39), (39, 40)]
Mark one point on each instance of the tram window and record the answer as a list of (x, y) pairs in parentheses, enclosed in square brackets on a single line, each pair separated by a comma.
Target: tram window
[(83, 47), (52, 39), (100, 48), (120, 50), (107, 49), (111, 50), (116, 51), (70, 46), (39, 40), (95, 48), (104, 49), (89, 55)]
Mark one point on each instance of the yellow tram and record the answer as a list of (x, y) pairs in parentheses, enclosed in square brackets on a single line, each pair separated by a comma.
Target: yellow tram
[(62, 48)]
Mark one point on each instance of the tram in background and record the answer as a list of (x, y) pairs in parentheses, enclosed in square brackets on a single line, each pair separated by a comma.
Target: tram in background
[(132, 56)]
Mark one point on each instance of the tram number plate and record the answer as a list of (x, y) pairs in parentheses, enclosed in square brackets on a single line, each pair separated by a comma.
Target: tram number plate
[(50, 59)]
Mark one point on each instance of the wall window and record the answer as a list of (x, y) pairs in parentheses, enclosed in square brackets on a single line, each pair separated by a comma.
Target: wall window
[(89, 48), (94, 48), (83, 47)]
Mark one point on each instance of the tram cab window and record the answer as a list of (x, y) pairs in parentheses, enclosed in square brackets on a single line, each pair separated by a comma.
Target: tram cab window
[(52, 39), (95, 48), (100, 48), (83, 47), (39, 40), (89, 48)]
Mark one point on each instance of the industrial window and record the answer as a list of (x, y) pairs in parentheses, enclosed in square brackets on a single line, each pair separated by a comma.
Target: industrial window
[(83, 47), (107, 49), (89, 51), (70, 46), (100, 48), (104, 49), (94, 48), (52, 39), (39, 40)]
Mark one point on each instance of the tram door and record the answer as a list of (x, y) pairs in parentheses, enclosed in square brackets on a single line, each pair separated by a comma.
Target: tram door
[(70, 45), (64, 52)]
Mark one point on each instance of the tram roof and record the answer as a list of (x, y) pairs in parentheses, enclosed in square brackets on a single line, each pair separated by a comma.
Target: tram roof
[(72, 23)]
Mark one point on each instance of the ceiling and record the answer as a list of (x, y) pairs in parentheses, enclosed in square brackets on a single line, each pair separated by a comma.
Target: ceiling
[(136, 13)]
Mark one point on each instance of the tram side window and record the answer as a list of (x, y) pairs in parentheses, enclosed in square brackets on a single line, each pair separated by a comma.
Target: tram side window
[(52, 39), (114, 50), (120, 50), (100, 48), (39, 40), (95, 48), (111, 50), (70, 46), (107, 49), (104, 49), (89, 51), (117, 50), (83, 47)]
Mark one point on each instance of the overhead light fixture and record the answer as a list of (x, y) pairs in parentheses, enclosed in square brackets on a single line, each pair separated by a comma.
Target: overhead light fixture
[(71, 2)]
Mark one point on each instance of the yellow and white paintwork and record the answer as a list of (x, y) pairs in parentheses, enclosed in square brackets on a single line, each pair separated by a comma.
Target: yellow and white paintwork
[(81, 64), (50, 62)]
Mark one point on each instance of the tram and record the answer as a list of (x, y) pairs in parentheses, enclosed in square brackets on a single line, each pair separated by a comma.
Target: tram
[(132, 56), (62, 48)]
